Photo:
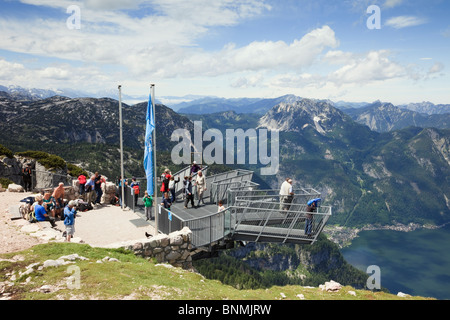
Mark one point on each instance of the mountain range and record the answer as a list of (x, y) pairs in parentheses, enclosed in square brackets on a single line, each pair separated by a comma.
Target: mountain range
[(381, 176), (383, 117)]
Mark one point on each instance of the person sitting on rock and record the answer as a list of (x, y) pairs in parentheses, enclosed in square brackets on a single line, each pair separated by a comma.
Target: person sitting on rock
[(40, 213), (49, 204)]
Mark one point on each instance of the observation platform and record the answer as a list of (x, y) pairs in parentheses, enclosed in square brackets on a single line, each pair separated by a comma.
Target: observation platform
[(251, 215)]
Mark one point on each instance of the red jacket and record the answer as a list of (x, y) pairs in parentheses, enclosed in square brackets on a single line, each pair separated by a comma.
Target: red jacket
[(165, 184)]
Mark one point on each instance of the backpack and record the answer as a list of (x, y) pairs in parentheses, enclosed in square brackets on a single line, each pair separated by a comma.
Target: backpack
[(317, 201), (26, 172), (136, 189), (82, 179)]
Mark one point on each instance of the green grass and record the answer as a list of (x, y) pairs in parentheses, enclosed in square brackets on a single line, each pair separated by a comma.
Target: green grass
[(139, 279)]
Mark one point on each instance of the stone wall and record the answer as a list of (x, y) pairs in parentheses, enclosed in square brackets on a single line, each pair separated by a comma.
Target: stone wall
[(174, 248)]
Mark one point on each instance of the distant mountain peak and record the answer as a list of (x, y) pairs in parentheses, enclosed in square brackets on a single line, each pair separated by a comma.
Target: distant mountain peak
[(298, 115)]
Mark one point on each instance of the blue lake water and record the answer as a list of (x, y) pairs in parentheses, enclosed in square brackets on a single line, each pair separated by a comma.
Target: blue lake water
[(416, 263)]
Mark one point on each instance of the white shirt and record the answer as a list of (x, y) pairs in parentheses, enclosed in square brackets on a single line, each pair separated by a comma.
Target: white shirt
[(284, 190)]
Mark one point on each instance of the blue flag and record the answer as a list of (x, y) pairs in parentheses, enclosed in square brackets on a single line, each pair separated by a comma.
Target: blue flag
[(148, 154)]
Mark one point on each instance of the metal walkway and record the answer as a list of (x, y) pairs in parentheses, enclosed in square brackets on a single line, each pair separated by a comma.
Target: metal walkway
[(251, 214)]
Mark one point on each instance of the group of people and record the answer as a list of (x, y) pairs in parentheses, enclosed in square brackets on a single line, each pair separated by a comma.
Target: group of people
[(169, 183), (199, 183), (286, 197), (51, 207), (91, 189)]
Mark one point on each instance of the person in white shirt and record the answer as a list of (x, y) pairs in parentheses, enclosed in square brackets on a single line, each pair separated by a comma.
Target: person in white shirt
[(200, 182), (221, 207), (286, 194)]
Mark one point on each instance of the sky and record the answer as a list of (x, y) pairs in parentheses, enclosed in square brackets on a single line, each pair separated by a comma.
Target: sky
[(344, 50)]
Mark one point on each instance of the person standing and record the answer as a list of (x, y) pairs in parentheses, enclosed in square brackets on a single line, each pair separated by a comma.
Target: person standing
[(284, 193), (58, 195), (165, 181), (70, 213), (98, 187), (166, 201), (90, 192), (188, 192), (194, 168), (136, 191), (220, 207), (172, 183), (82, 182), (309, 218), (200, 183), (148, 203), (26, 176)]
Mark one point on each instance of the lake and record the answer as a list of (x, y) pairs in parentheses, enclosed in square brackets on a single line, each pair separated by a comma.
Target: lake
[(416, 263)]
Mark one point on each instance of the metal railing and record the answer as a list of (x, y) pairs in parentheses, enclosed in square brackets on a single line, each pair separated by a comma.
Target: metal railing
[(252, 215), (275, 221), (205, 230), (218, 188)]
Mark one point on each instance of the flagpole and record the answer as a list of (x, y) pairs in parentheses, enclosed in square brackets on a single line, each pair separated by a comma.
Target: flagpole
[(121, 148), (155, 190)]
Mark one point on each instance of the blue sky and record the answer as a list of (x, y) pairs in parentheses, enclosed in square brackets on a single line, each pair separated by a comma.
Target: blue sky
[(319, 49)]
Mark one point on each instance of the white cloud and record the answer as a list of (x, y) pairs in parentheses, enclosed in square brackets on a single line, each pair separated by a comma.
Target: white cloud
[(436, 68), (170, 61), (375, 66), (298, 80), (404, 22), (356, 69), (52, 76)]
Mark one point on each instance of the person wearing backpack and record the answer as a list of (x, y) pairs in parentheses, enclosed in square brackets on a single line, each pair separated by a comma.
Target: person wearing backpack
[(311, 207), (26, 176), (189, 196), (135, 186), (165, 181)]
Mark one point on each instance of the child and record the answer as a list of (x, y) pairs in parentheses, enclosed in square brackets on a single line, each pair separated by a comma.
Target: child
[(221, 207), (166, 201), (148, 202), (69, 219)]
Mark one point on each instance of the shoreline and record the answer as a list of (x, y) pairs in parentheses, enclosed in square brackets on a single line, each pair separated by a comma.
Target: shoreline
[(343, 236)]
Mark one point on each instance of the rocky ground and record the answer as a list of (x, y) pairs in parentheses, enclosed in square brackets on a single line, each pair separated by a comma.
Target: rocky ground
[(12, 239), (100, 227)]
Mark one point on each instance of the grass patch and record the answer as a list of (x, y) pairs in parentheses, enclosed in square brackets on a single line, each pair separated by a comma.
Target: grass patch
[(135, 278)]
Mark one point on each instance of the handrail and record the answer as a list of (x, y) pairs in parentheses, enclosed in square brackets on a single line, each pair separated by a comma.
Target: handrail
[(253, 214)]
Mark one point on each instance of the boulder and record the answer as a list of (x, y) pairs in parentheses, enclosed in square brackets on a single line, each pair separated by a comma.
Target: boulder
[(331, 286), (15, 188), (403, 295)]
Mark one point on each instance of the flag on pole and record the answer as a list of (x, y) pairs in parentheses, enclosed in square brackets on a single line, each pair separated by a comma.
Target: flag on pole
[(148, 154)]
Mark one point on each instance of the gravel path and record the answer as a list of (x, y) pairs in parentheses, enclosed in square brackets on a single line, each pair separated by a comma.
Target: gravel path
[(99, 227)]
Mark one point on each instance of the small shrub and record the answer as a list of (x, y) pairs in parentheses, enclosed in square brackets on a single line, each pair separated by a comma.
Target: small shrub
[(75, 171), (6, 152), (5, 182), (47, 160)]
